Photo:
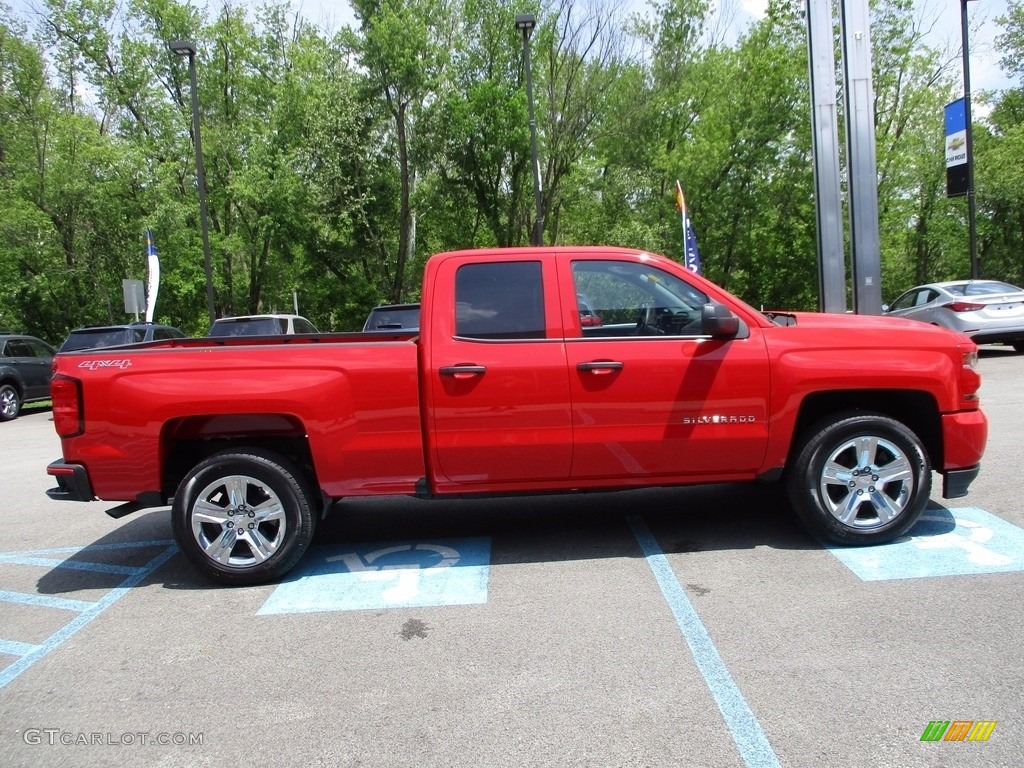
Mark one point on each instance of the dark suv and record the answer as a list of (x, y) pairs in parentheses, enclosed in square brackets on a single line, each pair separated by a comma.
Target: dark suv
[(26, 365), (113, 335)]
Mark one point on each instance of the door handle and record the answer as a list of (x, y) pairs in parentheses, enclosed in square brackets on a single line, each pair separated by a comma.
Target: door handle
[(463, 371), (600, 366)]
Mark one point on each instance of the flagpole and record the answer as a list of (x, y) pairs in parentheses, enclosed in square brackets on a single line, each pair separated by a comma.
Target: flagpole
[(691, 254)]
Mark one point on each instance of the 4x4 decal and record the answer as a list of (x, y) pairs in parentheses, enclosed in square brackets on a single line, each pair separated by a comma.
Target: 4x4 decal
[(92, 365)]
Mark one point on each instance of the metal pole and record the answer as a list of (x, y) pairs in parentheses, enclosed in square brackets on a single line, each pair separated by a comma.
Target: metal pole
[(972, 213), (861, 160), (828, 201), (185, 48), (526, 22)]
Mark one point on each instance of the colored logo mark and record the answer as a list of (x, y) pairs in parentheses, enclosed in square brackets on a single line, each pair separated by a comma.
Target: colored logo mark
[(958, 730)]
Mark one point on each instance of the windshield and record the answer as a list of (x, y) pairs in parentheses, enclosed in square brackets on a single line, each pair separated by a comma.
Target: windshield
[(88, 338), (249, 326), (982, 288), (393, 318)]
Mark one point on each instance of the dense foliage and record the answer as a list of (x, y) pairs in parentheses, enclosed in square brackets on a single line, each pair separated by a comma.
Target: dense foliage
[(336, 161)]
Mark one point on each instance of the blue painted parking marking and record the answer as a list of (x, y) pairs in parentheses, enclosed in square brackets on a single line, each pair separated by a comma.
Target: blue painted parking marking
[(389, 575), (28, 653), (746, 732), (951, 542)]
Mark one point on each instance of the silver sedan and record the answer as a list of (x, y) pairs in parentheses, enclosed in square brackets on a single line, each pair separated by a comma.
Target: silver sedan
[(988, 311)]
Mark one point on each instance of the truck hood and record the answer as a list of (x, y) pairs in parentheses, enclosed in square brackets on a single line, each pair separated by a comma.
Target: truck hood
[(871, 329)]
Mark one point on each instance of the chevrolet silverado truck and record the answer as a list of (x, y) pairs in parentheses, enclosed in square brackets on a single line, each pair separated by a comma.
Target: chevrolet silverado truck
[(506, 388)]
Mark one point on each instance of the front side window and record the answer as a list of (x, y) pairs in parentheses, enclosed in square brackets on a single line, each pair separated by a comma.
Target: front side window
[(631, 299), (39, 349), (503, 300)]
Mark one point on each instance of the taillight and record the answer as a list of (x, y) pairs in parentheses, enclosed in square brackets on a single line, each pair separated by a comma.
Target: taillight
[(970, 378), (66, 394), (963, 306)]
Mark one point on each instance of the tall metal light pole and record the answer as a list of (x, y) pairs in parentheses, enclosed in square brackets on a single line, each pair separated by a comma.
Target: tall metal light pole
[(972, 227), (186, 48), (526, 22)]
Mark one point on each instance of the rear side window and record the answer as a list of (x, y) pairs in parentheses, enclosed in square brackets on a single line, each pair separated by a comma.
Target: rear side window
[(500, 301), (18, 348)]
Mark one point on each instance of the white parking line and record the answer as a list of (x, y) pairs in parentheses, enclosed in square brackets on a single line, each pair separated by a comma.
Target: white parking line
[(746, 732), (28, 653)]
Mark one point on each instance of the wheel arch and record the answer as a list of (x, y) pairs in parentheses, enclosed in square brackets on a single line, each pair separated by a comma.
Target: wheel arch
[(916, 410), (185, 442), (14, 381)]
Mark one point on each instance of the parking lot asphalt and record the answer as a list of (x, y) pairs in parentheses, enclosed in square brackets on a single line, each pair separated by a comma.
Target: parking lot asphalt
[(665, 627)]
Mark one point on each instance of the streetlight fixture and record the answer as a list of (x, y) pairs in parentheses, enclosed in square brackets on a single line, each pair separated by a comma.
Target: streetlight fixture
[(186, 48), (972, 227), (526, 22)]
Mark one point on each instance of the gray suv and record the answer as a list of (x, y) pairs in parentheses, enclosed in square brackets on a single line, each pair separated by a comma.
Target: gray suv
[(26, 366), (115, 335)]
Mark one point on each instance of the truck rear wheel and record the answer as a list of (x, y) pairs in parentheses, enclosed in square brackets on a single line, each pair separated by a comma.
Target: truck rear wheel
[(10, 402), (859, 479), (243, 516)]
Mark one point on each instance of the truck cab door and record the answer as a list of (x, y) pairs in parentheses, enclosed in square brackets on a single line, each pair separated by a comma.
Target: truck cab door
[(497, 384), (654, 397)]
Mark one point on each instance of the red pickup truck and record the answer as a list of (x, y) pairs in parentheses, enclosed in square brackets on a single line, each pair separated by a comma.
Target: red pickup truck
[(534, 369)]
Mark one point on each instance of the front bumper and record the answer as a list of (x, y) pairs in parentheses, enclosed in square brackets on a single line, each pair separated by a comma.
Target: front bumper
[(72, 482), (955, 482)]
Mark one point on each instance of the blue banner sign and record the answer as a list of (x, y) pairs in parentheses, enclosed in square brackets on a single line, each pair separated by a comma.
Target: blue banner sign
[(957, 161)]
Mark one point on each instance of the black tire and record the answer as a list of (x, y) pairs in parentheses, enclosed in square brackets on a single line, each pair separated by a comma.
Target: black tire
[(1018, 346), (262, 490), (10, 402), (859, 478)]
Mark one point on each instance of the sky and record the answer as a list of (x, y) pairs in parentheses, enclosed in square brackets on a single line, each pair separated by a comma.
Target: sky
[(940, 17)]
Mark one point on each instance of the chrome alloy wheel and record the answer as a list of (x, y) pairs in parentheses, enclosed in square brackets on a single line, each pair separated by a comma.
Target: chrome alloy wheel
[(10, 402), (238, 520), (866, 482)]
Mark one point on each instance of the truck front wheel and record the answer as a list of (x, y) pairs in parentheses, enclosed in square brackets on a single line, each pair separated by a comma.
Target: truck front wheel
[(859, 479), (243, 516)]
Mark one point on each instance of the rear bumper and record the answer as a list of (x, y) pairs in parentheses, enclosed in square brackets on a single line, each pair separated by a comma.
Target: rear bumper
[(72, 482)]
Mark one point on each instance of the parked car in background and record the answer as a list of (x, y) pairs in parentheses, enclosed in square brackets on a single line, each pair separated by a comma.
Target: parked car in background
[(588, 317), (26, 365), (95, 336), (393, 317), (261, 325), (988, 311)]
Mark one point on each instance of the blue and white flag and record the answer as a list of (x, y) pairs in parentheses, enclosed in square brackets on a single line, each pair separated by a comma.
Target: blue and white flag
[(691, 255), (154, 276)]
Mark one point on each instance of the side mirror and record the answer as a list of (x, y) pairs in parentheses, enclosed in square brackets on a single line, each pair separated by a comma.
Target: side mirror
[(885, 307), (718, 322)]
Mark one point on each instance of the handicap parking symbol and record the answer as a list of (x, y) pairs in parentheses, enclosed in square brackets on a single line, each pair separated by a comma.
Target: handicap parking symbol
[(388, 575), (944, 542)]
